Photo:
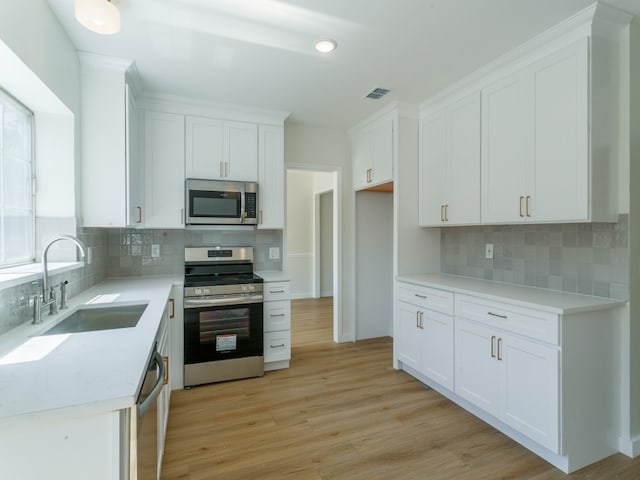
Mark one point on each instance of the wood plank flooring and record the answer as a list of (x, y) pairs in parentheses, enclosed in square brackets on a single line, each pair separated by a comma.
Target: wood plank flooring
[(342, 412)]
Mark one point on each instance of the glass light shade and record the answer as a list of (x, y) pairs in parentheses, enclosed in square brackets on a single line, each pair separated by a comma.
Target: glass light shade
[(326, 46), (100, 16)]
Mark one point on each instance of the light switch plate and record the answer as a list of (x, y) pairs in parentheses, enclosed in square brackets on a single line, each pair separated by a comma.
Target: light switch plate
[(274, 253), (488, 250), (155, 250)]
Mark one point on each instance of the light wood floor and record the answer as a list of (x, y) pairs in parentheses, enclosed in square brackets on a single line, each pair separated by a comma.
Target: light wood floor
[(342, 412)]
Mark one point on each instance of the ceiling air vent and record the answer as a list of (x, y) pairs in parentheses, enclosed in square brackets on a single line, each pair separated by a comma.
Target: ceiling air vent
[(377, 93)]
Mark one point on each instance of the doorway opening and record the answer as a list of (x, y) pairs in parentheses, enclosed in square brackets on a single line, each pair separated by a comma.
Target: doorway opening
[(311, 238)]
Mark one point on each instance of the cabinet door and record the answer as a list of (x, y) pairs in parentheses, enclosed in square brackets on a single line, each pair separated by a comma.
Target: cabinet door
[(505, 115), (437, 347), (463, 161), (203, 149), (360, 156), (476, 371), (271, 177), (433, 169), (240, 151), (528, 389), (382, 151), (135, 164), (164, 168), (408, 335), (561, 170), (277, 346), (165, 393)]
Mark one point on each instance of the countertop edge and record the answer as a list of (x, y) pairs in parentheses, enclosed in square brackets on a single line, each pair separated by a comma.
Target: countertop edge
[(447, 282)]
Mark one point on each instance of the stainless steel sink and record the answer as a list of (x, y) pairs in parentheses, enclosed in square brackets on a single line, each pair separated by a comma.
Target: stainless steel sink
[(92, 318)]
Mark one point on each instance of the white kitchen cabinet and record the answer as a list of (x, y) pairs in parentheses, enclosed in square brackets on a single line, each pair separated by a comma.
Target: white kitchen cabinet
[(112, 174), (423, 332), (372, 154), (164, 347), (203, 149), (176, 327), (535, 141), (449, 167), (277, 325), (219, 149), (271, 177), (510, 377), (164, 170)]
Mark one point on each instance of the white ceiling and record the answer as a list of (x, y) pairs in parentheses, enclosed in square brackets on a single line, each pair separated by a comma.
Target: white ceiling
[(259, 53)]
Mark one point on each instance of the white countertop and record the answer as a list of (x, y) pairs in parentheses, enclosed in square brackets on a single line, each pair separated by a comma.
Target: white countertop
[(539, 298), (273, 275), (95, 371)]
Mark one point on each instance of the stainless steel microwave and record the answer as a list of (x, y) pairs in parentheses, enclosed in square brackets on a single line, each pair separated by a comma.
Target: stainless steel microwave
[(221, 202)]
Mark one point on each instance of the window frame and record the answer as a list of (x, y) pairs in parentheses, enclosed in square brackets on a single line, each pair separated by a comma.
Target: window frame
[(6, 97)]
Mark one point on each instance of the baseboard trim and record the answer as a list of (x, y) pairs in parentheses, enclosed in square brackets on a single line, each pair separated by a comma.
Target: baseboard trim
[(630, 446), (300, 296)]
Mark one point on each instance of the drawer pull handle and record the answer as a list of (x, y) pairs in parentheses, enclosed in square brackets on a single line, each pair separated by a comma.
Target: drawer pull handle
[(420, 296), (499, 349), (278, 346), (173, 308), (276, 291), (277, 315), (421, 320), (165, 358), (493, 346), (418, 319), (496, 315)]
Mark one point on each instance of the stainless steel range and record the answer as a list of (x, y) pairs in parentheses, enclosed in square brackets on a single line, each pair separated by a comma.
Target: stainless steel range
[(223, 326)]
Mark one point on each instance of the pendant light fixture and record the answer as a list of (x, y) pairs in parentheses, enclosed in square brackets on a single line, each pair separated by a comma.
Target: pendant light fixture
[(99, 16)]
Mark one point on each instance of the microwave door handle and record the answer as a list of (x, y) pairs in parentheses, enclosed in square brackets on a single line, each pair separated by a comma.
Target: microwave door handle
[(242, 205)]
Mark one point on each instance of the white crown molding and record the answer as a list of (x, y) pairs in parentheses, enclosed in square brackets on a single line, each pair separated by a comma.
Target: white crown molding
[(577, 26), (104, 61), (192, 106), (402, 109)]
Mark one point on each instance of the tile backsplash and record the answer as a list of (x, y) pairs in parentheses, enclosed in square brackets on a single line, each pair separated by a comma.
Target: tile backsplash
[(589, 258), (130, 250)]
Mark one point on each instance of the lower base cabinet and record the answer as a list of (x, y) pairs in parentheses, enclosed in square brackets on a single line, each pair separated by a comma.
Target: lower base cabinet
[(277, 325), (528, 372)]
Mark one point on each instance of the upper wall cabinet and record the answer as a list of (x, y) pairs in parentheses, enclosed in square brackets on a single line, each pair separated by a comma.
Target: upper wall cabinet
[(221, 149), (551, 127), (112, 167), (372, 153), (271, 177), (535, 132), (164, 169), (449, 167)]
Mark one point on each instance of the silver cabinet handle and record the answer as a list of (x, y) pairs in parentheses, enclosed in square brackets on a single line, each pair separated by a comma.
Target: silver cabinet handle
[(420, 296), (528, 199), (442, 213), (417, 319), (173, 308), (493, 346), (139, 215), (521, 199), (277, 315), (278, 346), (422, 320), (276, 291), (446, 213), (496, 315), (499, 349)]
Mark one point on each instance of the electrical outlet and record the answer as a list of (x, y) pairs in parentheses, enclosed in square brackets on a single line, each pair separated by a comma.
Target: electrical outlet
[(274, 253), (155, 250), (488, 250)]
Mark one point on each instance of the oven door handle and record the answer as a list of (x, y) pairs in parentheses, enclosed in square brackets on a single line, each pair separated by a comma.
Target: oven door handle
[(147, 402), (222, 301)]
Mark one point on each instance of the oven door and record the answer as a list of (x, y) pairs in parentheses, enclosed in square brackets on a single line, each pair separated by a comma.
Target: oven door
[(222, 332)]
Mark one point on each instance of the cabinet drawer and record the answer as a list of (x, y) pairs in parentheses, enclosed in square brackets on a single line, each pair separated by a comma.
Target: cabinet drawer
[(276, 291), (277, 316), (535, 324), (277, 346), (425, 297)]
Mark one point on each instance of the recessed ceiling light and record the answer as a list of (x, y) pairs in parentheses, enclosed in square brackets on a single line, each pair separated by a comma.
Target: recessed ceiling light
[(326, 46)]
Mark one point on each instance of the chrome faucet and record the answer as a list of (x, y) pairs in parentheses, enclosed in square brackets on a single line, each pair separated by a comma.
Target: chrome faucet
[(48, 296)]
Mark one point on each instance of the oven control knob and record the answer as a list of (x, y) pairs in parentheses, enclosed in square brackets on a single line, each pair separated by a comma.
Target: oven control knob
[(206, 291), (198, 291)]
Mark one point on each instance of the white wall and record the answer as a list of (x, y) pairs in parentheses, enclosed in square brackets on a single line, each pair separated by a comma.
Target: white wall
[(300, 232), (39, 66), (320, 148), (374, 264), (326, 244)]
